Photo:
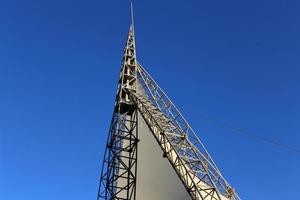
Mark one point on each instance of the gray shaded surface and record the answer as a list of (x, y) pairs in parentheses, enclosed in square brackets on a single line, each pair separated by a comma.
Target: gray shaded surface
[(156, 178)]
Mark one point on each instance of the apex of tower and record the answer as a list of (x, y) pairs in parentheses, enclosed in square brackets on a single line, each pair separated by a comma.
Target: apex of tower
[(145, 125), (132, 16)]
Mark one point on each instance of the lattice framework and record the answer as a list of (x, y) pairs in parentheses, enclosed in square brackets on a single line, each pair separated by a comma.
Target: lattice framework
[(138, 93)]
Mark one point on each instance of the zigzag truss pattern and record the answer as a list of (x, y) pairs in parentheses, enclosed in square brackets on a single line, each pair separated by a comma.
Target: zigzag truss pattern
[(179, 142), (138, 93)]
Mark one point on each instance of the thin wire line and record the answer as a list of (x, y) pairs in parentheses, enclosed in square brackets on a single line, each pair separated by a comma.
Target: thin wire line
[(251, 134)]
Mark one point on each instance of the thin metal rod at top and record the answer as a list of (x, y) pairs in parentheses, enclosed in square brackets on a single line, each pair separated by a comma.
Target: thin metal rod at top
[(132, 25), (132, 16)]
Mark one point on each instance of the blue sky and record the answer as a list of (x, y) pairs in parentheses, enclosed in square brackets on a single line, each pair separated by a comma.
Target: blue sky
[(233, 61)]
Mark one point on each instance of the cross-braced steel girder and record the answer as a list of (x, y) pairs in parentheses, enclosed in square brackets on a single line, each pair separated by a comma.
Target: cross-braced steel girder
[(189, 158), (139, 94), (119, 168), (118, 179)]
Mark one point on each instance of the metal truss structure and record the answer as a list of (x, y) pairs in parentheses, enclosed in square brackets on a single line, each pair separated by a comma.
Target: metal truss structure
[(118, 176), (138, 93), (179, 142)]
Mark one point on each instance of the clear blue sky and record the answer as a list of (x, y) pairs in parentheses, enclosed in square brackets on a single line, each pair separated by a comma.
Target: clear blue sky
[(234, 61)]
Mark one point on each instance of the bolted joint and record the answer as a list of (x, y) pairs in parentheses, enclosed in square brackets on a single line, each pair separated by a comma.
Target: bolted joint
[(165, 154), (136, 140)]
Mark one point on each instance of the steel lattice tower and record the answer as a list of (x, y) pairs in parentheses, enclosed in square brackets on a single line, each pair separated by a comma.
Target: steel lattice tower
[(144, 122)]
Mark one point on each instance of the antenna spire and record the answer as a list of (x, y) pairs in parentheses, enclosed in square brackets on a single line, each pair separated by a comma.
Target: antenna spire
[(132, 16)]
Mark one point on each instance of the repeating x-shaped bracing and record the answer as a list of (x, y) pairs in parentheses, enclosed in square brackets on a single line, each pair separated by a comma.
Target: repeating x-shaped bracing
[(179, 142), (119, 168), (139, 94)]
